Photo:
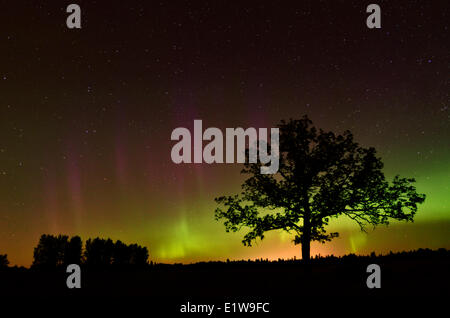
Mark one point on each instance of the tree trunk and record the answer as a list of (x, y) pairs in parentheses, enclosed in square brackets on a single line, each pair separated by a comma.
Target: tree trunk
[(306, 238), (306, 241)]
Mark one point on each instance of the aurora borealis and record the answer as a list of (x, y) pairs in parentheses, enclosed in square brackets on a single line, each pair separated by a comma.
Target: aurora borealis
[(86, 115)]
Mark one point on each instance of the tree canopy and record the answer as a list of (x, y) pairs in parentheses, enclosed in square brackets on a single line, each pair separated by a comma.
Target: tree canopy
[(53, 251)]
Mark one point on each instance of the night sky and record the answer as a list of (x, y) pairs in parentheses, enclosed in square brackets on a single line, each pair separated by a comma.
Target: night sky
[(86, 115)]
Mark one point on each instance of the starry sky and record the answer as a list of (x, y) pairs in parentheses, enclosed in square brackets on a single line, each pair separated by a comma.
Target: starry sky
[(86, 115)]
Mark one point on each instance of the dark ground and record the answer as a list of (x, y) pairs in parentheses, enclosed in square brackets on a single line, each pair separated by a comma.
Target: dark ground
[(409, 282)]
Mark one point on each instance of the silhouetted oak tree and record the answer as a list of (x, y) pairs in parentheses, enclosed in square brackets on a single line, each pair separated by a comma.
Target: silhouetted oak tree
[(321, 175)]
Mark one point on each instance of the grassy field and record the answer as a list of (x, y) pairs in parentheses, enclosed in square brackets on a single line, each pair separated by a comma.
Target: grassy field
[(327, 284)]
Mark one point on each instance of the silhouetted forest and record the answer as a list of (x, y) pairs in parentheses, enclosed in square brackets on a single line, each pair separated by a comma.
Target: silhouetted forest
[(57, 251)]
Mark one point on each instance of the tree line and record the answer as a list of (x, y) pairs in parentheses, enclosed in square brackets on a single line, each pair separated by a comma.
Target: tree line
[(56, 251)]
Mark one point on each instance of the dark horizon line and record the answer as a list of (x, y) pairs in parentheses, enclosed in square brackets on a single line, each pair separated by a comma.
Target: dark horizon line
[(416, 252)]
